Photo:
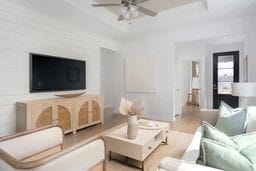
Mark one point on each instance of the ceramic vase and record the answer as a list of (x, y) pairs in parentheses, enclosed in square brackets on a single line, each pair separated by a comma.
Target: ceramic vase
[(132, 127)]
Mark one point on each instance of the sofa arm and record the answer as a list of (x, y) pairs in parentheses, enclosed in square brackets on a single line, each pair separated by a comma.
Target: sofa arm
[(172, 164), (209, 115)]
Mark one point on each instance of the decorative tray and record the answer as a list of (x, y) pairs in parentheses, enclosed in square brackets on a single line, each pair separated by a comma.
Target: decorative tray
[(143, 124)]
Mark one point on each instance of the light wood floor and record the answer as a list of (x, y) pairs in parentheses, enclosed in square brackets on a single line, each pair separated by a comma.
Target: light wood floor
[(111, 120), (188, 121)]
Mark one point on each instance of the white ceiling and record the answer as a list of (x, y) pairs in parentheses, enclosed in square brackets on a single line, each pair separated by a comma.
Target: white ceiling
[(102, 21), (227, 39)]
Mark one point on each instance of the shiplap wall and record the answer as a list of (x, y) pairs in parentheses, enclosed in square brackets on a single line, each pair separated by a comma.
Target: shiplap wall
[(23, 31)]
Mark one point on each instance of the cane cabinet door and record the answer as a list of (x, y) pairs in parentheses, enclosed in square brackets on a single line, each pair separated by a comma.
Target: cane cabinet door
[(42, 115), (95, 112), (64, 115)]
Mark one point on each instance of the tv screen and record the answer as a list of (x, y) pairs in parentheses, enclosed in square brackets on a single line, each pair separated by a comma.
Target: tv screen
[(49, 73)]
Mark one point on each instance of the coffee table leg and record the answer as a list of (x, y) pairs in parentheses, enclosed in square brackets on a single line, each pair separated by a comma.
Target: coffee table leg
[(166, 141), (142, 166), (109, 155)]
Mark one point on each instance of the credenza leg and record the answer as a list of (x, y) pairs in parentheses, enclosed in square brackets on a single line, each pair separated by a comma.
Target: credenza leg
[(109, 155)]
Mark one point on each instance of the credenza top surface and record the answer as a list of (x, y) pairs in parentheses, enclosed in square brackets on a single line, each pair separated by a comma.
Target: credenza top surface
[(57, 99)]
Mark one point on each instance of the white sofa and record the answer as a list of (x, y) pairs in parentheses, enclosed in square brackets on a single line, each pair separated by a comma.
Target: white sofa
[(42, 150), (188, 161)]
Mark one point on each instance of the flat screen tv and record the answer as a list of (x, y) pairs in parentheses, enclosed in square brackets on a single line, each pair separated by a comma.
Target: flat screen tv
[(50, 73)]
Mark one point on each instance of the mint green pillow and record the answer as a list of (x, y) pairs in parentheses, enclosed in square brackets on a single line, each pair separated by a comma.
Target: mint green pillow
[(210, 132), (231, 121), (244, 140), (220, 156), (213, 133), (250, 153), (224, 106)]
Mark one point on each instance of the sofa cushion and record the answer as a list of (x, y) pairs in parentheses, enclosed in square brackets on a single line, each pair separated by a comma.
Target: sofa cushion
[(213, 133), (251, 113), (220, 156), (231, 121)]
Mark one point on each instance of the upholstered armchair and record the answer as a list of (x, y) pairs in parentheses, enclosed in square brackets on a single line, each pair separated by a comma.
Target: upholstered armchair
[(42, 150)]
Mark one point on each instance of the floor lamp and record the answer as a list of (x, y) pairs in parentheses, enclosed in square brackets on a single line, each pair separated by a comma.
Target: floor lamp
[(244, 91)]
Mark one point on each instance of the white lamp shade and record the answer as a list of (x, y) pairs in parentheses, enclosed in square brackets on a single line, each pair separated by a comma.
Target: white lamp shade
[(244, 89), (195, 83)]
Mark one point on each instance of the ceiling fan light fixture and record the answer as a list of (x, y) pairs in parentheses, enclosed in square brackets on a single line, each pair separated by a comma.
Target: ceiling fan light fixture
[(128, 11), (124, 10), (127, 15), (129, 8), (133, 10)]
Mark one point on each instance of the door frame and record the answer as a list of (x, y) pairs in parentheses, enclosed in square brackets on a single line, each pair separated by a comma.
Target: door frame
[(236, 55)]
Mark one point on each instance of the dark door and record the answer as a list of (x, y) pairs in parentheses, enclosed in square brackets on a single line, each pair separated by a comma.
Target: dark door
[(225, 72)]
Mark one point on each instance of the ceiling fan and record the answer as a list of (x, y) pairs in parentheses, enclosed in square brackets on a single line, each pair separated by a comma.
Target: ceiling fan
[(129, 8)]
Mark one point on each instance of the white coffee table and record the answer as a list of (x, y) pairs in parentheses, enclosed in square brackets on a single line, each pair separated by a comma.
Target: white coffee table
[(141, 147)]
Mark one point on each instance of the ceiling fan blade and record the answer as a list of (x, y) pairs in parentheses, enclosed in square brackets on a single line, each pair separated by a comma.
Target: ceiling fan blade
[(120, 18), (105, 5), (146, 11), (142, 1)]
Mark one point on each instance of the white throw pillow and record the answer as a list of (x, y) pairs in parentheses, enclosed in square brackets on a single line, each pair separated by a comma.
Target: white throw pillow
[(251, 113)]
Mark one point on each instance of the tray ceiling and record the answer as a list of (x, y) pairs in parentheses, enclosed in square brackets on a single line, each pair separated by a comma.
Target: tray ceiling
[(155, 5)]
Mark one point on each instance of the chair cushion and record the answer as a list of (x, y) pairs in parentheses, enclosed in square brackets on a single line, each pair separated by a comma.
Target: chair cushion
[(29, 144), (231, 121), (220, 156), (79, 159)]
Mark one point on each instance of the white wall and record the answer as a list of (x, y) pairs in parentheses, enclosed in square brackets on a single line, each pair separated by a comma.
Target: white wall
[(209, 69), (157, 104), (189, 51), (23, 31), (107, 76), (162, 49), (250, 25), (251, 29)]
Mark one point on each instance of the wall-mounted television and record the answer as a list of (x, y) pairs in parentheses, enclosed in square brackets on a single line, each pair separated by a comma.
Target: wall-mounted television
[(51, 73)]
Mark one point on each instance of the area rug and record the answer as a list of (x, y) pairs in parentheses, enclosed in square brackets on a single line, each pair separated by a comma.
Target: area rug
[(178, 142)]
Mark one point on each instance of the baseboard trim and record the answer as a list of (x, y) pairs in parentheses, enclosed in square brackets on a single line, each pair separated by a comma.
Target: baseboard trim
[(108, 107), (158, 118)]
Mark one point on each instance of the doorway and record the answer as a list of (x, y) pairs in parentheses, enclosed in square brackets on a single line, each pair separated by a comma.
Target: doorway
[(190, 86), (107, 76), (225, 72)]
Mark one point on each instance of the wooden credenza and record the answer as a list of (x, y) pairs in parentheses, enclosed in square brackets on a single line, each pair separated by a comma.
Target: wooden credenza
[(71, 114)]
